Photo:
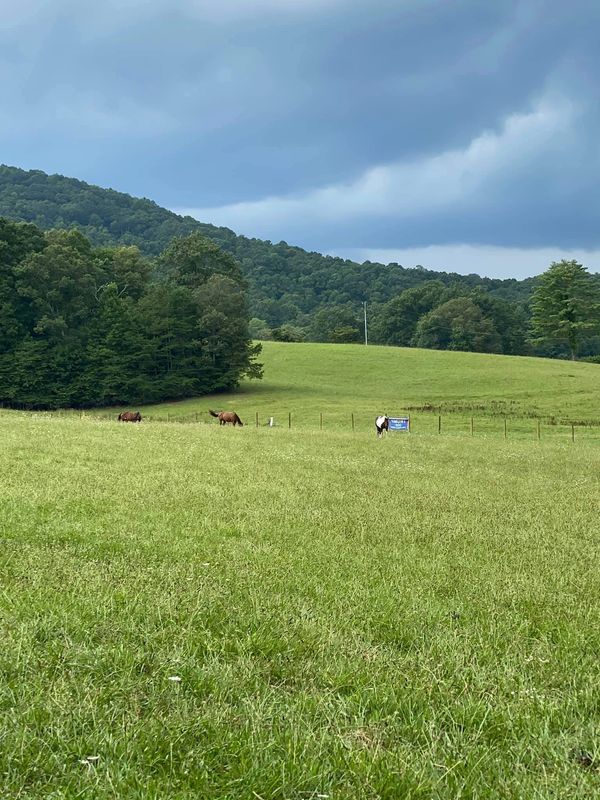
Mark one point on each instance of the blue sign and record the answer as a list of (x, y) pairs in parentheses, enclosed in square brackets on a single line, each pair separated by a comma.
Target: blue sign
[(399, 424)]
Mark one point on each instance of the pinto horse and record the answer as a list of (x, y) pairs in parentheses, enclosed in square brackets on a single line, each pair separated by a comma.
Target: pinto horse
[(382, 424), (226, 417), (130, 416)]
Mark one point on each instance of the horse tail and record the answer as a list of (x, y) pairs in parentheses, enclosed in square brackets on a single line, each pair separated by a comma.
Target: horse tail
[(213, 413), (120, 418)]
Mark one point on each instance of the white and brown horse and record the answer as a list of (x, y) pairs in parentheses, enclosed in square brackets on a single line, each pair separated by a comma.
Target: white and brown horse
[(381, 425)]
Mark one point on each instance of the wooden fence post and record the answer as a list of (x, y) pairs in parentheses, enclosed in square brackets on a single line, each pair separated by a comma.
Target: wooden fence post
[(439, 423), (505, 431), (471, 426), (572, 433), (352, 416), (257, 419), (321, 420), (289, 419), (538, 429)]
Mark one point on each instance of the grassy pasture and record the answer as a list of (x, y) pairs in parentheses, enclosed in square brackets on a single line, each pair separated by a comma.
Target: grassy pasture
[(338, 380), (415, 617)]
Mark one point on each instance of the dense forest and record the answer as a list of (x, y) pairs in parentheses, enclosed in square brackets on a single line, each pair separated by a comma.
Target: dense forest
[(295, 295), (83, 326)]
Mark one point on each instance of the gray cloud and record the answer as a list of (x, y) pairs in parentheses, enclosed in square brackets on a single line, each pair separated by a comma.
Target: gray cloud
[(484, 260), (333, 124), (458, 195)]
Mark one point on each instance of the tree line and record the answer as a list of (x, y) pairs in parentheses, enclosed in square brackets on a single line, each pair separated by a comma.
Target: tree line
[(82, 326), (286, 284), (295, 295), (561, 321)]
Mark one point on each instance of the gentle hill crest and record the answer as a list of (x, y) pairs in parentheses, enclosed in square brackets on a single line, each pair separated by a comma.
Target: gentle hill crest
[(308, 379)]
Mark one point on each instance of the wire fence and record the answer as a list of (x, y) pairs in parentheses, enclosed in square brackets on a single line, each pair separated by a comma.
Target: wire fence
[(420, 423)]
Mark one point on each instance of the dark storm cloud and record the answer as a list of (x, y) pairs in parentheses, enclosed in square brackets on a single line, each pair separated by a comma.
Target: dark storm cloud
[(332, 124)]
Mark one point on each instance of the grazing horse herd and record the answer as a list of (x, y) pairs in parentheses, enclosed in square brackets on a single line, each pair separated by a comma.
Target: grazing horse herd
[(231, 418), (224, 417)]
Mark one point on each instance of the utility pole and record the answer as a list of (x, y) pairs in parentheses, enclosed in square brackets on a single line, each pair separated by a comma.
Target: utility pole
[(365, 313)]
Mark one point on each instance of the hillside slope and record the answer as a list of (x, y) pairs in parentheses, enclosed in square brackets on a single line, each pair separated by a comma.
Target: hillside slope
[(338, 380), (285, 282)]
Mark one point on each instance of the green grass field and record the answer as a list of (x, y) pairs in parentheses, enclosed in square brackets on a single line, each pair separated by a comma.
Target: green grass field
[(339, 380), (190, 611)]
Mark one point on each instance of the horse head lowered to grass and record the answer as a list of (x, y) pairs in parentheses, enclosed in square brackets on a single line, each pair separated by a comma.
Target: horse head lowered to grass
[(129, 416), (226, 417)]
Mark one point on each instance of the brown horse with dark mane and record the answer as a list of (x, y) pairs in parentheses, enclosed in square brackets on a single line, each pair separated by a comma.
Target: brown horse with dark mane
[(226, 417), (129, 416)]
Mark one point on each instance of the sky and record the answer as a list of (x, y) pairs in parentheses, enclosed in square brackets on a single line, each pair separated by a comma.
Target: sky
[(456, 134)]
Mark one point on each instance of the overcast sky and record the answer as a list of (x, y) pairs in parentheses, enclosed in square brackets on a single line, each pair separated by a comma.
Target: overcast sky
[(459, 134)]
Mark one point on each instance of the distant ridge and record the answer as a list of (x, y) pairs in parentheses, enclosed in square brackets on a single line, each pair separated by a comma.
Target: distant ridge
[(107, 217), (285, 282)]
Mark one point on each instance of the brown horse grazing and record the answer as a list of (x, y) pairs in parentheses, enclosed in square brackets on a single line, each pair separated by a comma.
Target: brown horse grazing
[(226, 417), (130, 416)]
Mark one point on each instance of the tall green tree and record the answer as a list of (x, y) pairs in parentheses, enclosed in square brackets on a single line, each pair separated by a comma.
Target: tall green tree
[(565, 306), (215, 349), (340, 324), (458, 325), (191, 260), (17, 242), (509, 319), (222, 328), (397, 320)]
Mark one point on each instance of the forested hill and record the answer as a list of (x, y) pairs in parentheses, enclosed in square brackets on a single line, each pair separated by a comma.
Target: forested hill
[(287, 284)]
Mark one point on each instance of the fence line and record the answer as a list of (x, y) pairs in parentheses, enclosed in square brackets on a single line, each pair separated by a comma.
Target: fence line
[(452, 424)]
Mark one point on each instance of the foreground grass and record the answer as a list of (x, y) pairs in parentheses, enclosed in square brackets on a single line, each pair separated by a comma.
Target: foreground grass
[(339, 380), (349, 618)]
